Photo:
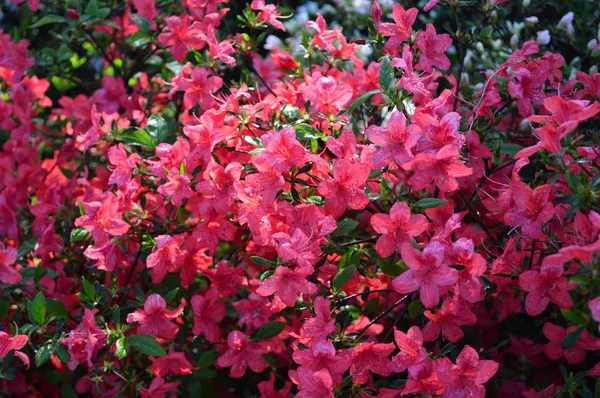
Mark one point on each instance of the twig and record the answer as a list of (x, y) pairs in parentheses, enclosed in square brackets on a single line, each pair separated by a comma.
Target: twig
[(378, 317)]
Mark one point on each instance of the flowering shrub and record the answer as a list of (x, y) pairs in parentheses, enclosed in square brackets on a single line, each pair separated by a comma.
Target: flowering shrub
[(211, 198)]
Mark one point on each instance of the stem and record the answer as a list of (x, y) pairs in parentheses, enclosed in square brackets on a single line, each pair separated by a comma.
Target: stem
[(356, 242), (365, 293), (378, 317)]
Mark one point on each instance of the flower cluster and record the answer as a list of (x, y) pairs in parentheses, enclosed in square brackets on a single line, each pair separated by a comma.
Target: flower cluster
[(191, 207)]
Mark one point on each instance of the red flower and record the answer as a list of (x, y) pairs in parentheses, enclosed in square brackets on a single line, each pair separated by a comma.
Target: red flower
[(544, 286), (467, 376), (411, 348), (288, 284), (397, 228), (15, 343), (174, 363), (400, 30), (85, 340), (242, 354), (395, 141), (574, 354), (371, 357), (158, 388), (323, 355), (8, 256), (321, 325), (346, 188), (208, 312), (155, 319), (103, 219), (428, 272), (532, 208), (312, 384), (168, 257), (433, 48), (442, 168)]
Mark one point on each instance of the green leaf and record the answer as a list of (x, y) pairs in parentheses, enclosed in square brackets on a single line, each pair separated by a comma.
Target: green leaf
[(123, 348), (3, 309), (146, 345), (572, 337), (510, 149), (391, 269), (362, 99), (253, 140), (139, 137), (38, 308), (269, 330), (157, 128), (386, 73), (207, 358), (88, 289), (263, 261), (79, 234), (26, 247), (56, 307), (344, 227), (306, 132), (265, 275), (414, 308), (342, 277), (429, 203), (573, 316), (446, 349), (48, 19), (43, 354)]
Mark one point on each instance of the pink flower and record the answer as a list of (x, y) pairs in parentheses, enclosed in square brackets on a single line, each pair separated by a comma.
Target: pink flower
[(199, 89), (146, 9), (123, 165), (372, 357), (312, 384), (85, 340), (174, 363), (448, 320), (321, 325), (103, 219), (158, 388), (8, 256), (400, 30), (442, 168), (155, 319), (168, 256), (544, 286), (433, 48), (395, 141), (411, 352), (208, 312), (282, 151), (467, 376), (177, 187), (323, 355), (397, 228), (346, 188), (268, 13), (15, 343), (242, 354), (428, 272), (574, 354), (288, 284)]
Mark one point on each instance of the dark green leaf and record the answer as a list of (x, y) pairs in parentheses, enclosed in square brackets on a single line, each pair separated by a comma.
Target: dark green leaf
[(48, 19), (56, 307), (573, 316), (157, 128), (430, 203), (343, 277), (344, 227), (446, 349), (572, 337), (263, 261), (62, 353), (362, 99), (3, 309), (88, 289), (146, 345), (414, 308), (269, 330), (510, 149), (26, 247), (386, 73)]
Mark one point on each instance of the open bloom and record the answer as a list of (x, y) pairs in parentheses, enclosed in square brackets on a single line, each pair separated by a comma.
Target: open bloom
[(397, 228), (155, 319), (15, 343), (544, 286), (241, 354)]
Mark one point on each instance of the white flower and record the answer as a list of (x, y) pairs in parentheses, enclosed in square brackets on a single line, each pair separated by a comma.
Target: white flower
[(514, 41), (532, 20), (543, 37), (592, 44), (566, 23), (274, 42)]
